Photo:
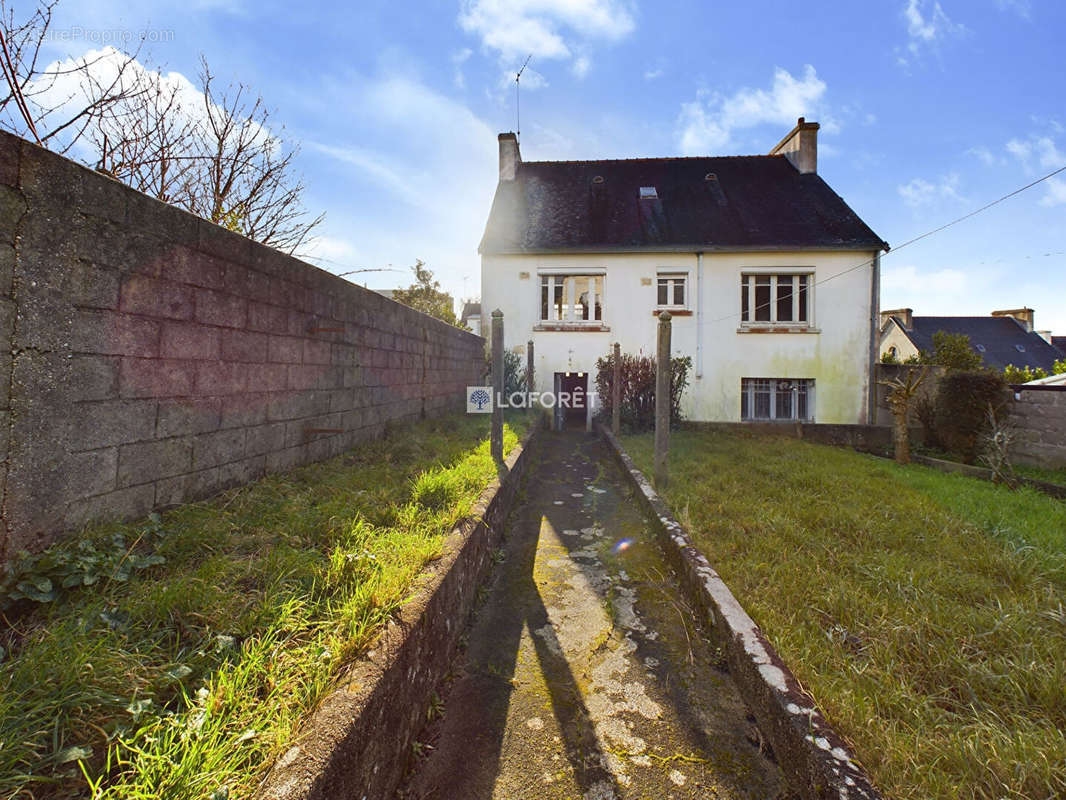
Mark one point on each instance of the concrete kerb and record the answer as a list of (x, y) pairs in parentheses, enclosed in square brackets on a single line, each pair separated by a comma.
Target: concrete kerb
[(815, 760), (983, 473), (358, 741)]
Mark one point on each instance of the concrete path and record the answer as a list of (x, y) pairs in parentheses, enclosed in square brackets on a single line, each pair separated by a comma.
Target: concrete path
[(584, 674)]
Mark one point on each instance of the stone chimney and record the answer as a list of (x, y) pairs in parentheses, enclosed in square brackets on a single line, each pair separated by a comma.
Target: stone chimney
[(1023, 315), (800, 146), (510, 158), (905, 316)]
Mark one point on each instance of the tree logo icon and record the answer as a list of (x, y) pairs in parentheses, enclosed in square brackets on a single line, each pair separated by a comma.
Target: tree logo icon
[(478, 400)]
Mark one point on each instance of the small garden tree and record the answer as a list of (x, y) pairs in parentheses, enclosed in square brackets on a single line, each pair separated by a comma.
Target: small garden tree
[(425, 295), (902, 391), (953, 350)]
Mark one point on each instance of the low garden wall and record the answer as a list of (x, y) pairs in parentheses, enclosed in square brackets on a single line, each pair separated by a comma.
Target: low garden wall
[(1038, 417), (816, 761), (150, 358), (871, 438), (358, 742)]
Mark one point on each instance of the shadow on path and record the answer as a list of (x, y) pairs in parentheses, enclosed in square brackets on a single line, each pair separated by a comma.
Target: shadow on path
[(584, 672)]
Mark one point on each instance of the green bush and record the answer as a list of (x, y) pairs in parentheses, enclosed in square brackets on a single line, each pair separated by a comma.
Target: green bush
[(961, 413), (638, 388), (514, 372), (953, 350), (1013, 374)]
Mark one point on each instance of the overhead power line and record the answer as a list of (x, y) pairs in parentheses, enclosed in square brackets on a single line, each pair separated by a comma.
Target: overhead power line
[(909, 242)]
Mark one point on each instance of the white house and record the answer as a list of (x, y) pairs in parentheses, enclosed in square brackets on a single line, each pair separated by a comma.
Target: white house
[(772, 280)]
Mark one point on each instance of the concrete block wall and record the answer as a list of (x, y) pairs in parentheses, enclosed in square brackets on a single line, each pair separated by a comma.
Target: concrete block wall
[(149, 358), (890, 372), (1039, 419)]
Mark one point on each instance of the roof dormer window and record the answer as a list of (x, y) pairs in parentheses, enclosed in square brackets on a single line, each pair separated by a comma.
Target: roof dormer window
[(648, 193)]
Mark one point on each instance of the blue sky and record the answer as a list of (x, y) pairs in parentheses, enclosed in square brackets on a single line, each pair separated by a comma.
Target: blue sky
[(928, 110)]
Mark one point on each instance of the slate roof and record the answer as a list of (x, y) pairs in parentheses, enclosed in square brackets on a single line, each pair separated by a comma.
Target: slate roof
[(752, 202), (999, 336), (470, 310), (1059, 342)]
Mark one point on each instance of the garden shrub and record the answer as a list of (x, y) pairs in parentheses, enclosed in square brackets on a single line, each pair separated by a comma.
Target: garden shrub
[(638, 388), (514, 372), (961, 414)]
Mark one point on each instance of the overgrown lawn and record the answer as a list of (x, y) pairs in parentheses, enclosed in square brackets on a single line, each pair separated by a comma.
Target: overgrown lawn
[(186, 679), (925, 612)]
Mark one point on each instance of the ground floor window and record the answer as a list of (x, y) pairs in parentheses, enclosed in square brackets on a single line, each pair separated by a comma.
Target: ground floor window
[(777, 399)]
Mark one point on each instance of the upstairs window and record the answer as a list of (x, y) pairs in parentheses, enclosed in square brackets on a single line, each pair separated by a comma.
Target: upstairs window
[(671, 290), (768, 299), (574, 299), (774, 399)]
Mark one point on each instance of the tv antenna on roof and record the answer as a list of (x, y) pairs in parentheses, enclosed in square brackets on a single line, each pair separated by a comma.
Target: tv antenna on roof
[(518, 100)]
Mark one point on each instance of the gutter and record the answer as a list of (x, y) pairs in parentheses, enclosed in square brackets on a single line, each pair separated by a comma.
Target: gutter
[(699, 313), (854, 247), (875, 336)]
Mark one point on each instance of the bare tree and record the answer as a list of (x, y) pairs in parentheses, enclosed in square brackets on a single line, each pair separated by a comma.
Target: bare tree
[(215, 155), (212, 152), (147, 141), (245, 177), (57, 104)]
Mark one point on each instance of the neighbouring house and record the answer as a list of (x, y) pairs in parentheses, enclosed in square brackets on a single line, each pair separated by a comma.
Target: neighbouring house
[(1004, 337), (771, 279), (471, 316)]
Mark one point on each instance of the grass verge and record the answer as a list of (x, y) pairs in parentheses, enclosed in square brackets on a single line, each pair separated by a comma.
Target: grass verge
[(924, 611), (186, 678)]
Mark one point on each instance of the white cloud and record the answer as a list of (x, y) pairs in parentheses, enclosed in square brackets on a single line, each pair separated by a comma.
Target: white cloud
[(652, 74), (1020, 7), (413, 154), (547, 29), (927, 26), (531, 79), (336, 252), (903, 279), (1041, 154), (920, 192), (1055, 194), (706, 125), (66, 86), (985, 156), (580, 67), (458, 59)]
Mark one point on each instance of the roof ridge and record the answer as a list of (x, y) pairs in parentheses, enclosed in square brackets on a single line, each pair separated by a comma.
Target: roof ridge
[(648, 158), (956, 316)]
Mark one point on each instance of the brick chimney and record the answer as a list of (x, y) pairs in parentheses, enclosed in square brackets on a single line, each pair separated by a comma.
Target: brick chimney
[(905, 316), (1023, 315), (510, 158), (800, 146)]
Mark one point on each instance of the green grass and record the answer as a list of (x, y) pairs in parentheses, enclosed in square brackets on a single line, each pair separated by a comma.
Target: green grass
[(188, 679), (1047, 474), (1055, 475), (925, 612)]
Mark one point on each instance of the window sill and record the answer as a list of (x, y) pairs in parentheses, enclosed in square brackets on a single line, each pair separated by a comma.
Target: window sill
[(571, 327), (777, 421), (674, 312), (777, 329)]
